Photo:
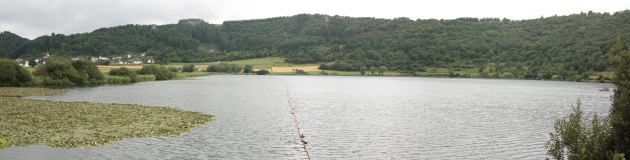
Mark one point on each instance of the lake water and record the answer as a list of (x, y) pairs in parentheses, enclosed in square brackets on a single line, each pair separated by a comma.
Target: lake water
[(343, 117)]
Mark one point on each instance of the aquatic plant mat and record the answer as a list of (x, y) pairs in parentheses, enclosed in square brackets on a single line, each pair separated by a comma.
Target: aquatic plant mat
[(27, 91), (83, 124)]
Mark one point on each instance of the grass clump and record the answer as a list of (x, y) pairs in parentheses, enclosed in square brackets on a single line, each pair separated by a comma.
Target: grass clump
[(145, 78)]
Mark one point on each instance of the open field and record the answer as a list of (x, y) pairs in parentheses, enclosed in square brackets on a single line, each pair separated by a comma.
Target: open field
[(292, 69), (82, 124), (258, 63)]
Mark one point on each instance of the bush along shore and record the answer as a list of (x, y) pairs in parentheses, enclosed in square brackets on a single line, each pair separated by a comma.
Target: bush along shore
[(81, 72), (56, 124)]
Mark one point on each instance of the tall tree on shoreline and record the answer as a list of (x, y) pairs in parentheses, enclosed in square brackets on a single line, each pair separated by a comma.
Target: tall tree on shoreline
[(620, 110)]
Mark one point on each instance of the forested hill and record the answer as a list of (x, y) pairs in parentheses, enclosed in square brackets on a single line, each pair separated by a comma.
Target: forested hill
[(9, 42), (570, 42), (184, 39)]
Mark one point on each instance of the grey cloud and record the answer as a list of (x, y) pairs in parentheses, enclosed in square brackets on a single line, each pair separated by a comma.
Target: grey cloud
[(33, 18)]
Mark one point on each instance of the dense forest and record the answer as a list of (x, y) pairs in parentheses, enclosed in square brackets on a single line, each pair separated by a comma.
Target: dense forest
[(575, 43)]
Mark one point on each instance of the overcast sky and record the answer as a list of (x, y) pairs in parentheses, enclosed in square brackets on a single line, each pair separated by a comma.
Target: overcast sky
[(34, 18)]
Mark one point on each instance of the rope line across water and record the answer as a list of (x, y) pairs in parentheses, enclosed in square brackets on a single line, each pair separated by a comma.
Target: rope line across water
[(300, 134)]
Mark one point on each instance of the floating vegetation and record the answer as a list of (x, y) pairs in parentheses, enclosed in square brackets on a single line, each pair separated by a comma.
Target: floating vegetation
[(82, 124), (27, 91)]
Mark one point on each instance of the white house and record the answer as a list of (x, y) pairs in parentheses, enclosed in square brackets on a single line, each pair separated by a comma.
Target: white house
[(94, 59)]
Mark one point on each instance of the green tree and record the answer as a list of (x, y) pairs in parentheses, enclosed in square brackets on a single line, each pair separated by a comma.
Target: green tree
[(235, 68), (262, 72), (12, 74), (173, 69), (362, 70), (60, 72), (212, 68), (547, 75), (300, 72), (620, 110), (123, 71), (248, 69), (323, 66), (160, 72), (372, 70), (573, 139), (484, 74), (31, 62), (188, 68), (85, 67), (381, 70)]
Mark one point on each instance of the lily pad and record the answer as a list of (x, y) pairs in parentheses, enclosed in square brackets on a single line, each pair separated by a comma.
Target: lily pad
[(56, 124)]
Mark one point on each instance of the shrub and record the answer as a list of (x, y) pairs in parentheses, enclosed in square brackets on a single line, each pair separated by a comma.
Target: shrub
[(173, 69), (60, 72), (4, 143), (262, 72), (160, 72), (123, 71), (574, 139), (13, 75), (299, 71), (88, 67), (188, 68)]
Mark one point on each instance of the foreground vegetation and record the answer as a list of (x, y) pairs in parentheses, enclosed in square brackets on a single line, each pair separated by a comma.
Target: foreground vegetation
[(601, 138), (82, 124)]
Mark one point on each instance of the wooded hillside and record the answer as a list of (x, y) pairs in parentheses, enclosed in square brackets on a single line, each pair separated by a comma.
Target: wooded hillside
[(569, 42)]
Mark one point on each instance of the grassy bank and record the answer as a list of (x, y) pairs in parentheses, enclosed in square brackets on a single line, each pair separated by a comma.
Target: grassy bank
[(82, 124)]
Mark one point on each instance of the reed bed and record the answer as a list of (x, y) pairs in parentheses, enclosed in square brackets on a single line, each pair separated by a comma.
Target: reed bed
[(117, 79), (56, 124), (191, 74), (145, 78)]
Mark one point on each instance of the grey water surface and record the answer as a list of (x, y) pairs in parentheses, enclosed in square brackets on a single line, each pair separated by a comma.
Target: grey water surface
[(342, 117)]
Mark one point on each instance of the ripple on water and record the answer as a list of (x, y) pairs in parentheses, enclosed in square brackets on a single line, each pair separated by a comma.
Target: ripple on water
[(343, 118)]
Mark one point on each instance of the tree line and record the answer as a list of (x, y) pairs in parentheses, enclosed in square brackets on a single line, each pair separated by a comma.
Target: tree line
[(66, 72), (559, 45)]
